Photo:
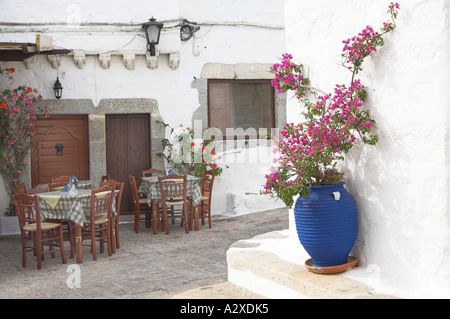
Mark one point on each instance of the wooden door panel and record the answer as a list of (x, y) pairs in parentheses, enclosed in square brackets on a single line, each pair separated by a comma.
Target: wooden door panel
[(127, 150), (72, 132), (138, 146)]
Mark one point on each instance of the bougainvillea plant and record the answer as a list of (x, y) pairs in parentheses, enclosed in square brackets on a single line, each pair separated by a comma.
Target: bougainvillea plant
[(18, 111), (307, 152)]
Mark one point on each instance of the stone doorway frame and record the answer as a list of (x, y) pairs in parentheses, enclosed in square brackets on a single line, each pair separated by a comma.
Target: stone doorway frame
[(97, 127)]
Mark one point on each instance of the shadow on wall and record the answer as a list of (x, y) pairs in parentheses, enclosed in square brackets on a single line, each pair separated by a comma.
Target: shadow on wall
[(386, 233)]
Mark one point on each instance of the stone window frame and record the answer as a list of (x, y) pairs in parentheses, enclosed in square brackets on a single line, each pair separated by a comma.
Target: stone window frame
[(241, 71)]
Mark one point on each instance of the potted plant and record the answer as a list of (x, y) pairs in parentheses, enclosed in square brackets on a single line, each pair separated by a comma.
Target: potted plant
[(308, 152)]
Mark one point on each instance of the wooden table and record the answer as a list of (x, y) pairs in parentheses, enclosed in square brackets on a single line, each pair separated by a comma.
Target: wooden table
[(69, 206), (150, 188)]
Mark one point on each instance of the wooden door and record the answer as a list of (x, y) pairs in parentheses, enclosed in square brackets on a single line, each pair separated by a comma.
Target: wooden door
[(127, 150), (72, 133)]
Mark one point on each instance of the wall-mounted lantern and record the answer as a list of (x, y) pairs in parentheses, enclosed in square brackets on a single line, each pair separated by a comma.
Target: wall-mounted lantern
[(152, 32), (57, 88)]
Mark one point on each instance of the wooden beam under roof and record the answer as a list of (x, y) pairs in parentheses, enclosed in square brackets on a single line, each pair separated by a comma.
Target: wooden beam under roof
[(10, 51)]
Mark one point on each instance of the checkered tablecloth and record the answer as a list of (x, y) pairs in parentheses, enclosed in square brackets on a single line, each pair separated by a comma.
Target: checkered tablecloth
[(84, 184), (150, 188), (64, 205)]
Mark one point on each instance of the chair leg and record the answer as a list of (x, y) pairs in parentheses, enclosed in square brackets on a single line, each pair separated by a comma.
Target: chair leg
[(51, 237), (39, 252), (209, 218), (24, 251), (72, 243), (93, 245), (191, 208), (101, 241), (136, 219), (166, 223), (185, 212), (61, 245), (172, 210), (116, 225), (207, 212), (148, 221), (108, 238), (203, 216)]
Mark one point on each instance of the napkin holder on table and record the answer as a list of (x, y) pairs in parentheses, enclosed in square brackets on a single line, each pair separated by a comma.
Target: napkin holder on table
[(70, 187), (170, 172)]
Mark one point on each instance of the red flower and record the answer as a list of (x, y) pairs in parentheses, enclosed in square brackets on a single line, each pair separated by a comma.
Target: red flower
[(29, 89), (3, 105), (192, 144), (213, 153), (5, 159), (213, 166)]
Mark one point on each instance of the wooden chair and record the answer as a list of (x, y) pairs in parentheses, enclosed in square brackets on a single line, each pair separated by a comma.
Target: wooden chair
[(205, 204), (151, 171), (63, 178), (140, 206), (173, 192), (38, 189), (103, 179), (21, 188), (115, 224), (41, 233), (56, 186), (99, 220)]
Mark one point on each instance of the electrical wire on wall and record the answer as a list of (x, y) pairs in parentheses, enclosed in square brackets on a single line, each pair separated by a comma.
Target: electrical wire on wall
[(187, 30)]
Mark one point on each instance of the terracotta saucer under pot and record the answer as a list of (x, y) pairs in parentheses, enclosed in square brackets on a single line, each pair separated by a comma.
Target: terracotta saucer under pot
[(351, 262)]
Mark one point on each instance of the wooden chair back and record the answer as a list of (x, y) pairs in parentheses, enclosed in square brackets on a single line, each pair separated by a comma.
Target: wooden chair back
[(207, 183), (63, 178), (27, 208), (101, 201), (134, 190), (21, 188), (103, 179), (118, 186), (172, 186), (56, 186), (173, 192), (151, 171)]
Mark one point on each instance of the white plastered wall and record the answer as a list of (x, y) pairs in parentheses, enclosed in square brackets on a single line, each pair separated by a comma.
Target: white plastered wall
[(231, 32), (402, 184)]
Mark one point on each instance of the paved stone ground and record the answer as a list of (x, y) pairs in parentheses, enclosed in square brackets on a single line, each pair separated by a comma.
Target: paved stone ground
[(146, 265)]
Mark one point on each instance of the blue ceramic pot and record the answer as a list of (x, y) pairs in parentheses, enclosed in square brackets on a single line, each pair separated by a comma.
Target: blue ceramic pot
[(327, 224)]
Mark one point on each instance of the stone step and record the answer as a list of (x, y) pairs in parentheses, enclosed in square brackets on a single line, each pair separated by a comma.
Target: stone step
[(226, 290), (258, 268)]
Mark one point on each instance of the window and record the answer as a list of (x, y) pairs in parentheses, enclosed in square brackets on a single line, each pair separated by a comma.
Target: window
[(244, 107)]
